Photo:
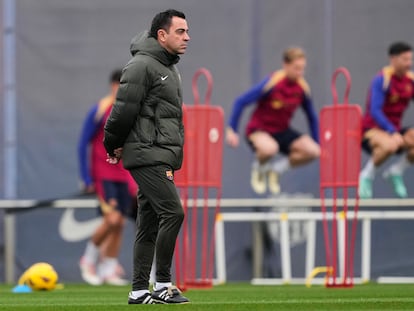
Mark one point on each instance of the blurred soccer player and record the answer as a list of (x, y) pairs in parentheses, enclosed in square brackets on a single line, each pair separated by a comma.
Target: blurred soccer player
[(389, 94), (268, 131), (111, 183), (146, 129)]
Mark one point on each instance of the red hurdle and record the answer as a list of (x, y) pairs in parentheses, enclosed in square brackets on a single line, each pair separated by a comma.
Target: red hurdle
[(199, 180), (340, 142)]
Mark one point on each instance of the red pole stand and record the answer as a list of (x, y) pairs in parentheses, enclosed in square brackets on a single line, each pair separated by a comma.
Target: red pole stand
[(200, 181), (340, 142), (181, 182)]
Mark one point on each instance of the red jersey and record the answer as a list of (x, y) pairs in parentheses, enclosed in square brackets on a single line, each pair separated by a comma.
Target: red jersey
[(100, 168), (276, 107), (94, 166), (387, 100)]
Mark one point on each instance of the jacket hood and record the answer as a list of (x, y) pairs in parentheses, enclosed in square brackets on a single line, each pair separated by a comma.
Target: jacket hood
[(144, 44)]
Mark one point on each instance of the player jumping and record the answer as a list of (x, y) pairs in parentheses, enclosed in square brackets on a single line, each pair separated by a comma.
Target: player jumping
[(268, 131), (389, 94)]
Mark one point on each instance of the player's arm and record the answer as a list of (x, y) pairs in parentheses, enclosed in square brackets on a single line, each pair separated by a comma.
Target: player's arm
[(89, 129), (307, 106), (132, 90), (246, 99), (376, 104)]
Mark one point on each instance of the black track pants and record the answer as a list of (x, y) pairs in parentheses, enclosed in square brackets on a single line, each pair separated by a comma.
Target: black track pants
[(159, 219)]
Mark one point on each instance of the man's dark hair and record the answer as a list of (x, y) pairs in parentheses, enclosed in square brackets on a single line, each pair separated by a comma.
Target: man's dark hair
[(398, 48), (115, 76), (163, 21)]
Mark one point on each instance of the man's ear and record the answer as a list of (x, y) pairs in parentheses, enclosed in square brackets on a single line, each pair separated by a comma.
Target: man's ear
[(162, 35)]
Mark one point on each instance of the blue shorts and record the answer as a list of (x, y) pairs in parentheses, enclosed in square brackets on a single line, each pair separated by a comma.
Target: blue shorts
[(108, 190), (284, 139)]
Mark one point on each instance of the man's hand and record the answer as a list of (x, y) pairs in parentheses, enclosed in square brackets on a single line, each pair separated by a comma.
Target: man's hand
[(115, 159), (87, 188), (232, 138), (118, 153)]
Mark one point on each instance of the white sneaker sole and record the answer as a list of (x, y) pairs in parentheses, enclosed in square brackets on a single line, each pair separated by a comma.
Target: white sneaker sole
[(89, 278)]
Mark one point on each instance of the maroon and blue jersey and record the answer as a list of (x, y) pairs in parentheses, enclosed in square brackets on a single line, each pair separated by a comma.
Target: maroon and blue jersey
[(277, 99), (388, 98), (93, 164)]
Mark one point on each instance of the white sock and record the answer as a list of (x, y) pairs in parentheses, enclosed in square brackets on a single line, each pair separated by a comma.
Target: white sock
[(138, 293), (91, 254), (369, 170), (399, 166), (160, 285), (153, 273), (108, 266), (261, 167), (281, 166)]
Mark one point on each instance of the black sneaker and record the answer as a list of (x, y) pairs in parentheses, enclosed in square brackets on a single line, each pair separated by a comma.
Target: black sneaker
[(169, 295), (144, 299)]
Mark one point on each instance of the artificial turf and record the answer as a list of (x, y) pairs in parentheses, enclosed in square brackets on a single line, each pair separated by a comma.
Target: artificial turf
[(223, 297)]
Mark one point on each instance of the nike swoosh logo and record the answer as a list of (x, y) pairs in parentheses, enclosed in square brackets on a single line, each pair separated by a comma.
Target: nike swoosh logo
[(73, 230), (164, 78)]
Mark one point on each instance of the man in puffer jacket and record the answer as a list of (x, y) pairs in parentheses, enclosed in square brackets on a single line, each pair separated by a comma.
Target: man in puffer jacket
[(145, 128)]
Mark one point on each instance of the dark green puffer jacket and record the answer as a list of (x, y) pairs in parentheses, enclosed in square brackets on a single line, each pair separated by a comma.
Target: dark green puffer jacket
[(146, 119)]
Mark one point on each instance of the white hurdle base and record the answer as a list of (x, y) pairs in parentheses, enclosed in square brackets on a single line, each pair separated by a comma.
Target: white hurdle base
[(321, 281), (395, 280), (293, 281)]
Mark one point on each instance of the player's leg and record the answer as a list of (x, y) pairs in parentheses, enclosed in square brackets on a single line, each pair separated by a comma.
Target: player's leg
[(110, 217), (89, 260), (88, 264), (380, 146), (156, 183), (299, 150), (110, 229), (409, 144), (115, 220), (108, 266), (265, 148), (303, 150), (127, 205), (132, 213), (144, 249), (395, 172), (120, 272)]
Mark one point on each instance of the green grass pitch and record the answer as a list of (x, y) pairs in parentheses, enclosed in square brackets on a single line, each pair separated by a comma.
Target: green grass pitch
[(223, 297)]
